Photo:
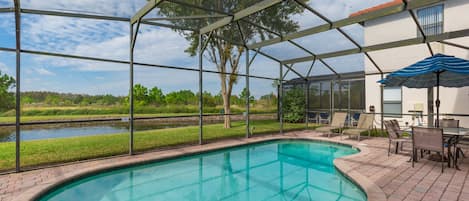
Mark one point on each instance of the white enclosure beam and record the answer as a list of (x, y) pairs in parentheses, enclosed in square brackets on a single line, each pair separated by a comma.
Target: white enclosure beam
[(401, 43), (348, 21), (151, 4)]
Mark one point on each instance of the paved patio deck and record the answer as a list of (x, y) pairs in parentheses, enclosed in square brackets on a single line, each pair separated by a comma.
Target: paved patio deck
[(382, 177)]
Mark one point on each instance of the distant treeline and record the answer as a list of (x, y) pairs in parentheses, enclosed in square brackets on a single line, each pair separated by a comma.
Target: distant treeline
[(143, 96), (48, 98)]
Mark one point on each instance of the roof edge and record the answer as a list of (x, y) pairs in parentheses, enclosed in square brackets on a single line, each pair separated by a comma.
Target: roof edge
[(376, 8)]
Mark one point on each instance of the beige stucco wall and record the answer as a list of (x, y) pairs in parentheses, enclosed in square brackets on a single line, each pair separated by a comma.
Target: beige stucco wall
[(401, 26)]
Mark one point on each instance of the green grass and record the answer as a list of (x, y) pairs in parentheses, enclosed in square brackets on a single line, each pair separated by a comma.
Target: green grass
[(39, 152), (122, 110), (50, 113)]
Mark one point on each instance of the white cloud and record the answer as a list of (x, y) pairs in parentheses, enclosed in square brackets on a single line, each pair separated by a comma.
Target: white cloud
[(122, 8), (63, 34), (6, 3), (99, 38), (4, 68), (43, 71), (339, 9)]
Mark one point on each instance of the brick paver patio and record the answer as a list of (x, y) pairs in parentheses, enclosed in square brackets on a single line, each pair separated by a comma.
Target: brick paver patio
[(372, 167)]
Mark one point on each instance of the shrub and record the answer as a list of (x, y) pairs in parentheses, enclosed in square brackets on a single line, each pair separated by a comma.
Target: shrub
[(294, 105)]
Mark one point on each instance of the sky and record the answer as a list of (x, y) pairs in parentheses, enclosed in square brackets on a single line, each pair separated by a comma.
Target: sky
[(155, 45)]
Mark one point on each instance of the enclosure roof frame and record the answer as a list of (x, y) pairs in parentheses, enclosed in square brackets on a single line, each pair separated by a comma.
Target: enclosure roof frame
[(265, 4)]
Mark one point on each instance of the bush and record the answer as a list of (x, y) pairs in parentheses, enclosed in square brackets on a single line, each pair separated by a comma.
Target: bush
[(294, 105)]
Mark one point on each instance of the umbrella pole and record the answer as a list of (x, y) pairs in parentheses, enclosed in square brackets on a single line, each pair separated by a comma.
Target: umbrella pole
[(437, 99)]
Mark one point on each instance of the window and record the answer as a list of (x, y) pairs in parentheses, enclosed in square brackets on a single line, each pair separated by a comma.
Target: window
[(350, 96), (347, 94), (392, 101), (431, 20), (341, 94), (325, 96), (314, 97)]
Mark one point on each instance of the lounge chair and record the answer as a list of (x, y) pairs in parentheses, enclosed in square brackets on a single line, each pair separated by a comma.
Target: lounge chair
[(365, 123), (338, 121), (430, 139), (394, 136)]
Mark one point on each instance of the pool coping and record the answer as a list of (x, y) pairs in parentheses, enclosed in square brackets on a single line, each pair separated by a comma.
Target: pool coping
[(373, 191)]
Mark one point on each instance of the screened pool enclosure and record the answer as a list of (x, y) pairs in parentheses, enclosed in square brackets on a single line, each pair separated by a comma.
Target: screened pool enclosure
[(273, 46)]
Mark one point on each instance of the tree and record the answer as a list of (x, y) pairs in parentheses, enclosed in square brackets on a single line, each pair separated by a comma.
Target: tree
[(209, 100), (268, 100), (244, 94), (156, 96), (53, 99), (223, 54), (182, 97), (294, 105), (140, 95), (7, 98)]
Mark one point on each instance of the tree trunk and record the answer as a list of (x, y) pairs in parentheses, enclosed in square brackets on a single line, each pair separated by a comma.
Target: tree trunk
[(221, 53), (227, 109)]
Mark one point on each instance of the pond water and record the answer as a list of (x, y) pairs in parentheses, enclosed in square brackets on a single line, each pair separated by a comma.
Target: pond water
[(8, 134)]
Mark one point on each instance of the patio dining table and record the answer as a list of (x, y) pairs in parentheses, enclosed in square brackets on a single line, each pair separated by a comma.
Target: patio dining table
[(452, 137)]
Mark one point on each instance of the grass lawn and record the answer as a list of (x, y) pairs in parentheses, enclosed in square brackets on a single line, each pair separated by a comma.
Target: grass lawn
[(78, 148), (36, 113)]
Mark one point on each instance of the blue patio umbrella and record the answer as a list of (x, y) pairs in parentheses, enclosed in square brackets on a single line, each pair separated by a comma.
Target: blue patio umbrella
[(435, 71)]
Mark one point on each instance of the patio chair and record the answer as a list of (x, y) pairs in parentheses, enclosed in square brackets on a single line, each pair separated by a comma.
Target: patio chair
[(397, 128), (313, 117), (365, 123), (430, 139), (464, 141), (355, 118), (394, 137), (459, 142), (338, 121), (324, 117), (449, 123)]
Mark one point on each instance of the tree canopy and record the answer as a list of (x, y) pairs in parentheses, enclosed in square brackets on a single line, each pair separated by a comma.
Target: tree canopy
[(220, 49), (294, 104), (7, 98)]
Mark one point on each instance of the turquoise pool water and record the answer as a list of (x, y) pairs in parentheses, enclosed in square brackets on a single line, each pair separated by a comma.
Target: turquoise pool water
[(275, 170)]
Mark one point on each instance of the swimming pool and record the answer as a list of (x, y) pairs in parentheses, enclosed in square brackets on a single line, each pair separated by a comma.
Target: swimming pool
[(273, 170)]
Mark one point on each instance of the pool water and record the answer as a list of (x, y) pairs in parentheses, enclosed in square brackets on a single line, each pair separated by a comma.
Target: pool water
[(274, 170)]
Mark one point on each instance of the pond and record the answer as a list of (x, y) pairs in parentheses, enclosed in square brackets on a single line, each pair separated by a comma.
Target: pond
[(37, 132), (62, 130)]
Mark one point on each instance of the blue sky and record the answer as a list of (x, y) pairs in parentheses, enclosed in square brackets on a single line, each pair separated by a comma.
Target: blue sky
[(97, 38)]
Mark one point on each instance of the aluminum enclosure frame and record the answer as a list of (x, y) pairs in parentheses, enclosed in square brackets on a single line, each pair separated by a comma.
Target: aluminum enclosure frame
[(228, 18)]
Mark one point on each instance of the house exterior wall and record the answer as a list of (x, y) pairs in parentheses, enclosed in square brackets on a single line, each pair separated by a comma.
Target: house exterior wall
[(399, 27)]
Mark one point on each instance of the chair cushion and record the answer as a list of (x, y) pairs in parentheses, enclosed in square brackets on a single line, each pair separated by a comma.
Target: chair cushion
[(402, 140), (354, 131), (326, 128)]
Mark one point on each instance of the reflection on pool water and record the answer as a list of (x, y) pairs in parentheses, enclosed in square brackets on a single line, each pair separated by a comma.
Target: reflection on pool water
[(275, 170)]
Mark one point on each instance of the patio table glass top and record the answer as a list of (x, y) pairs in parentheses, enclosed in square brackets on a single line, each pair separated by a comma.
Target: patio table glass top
[(446, 131)]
